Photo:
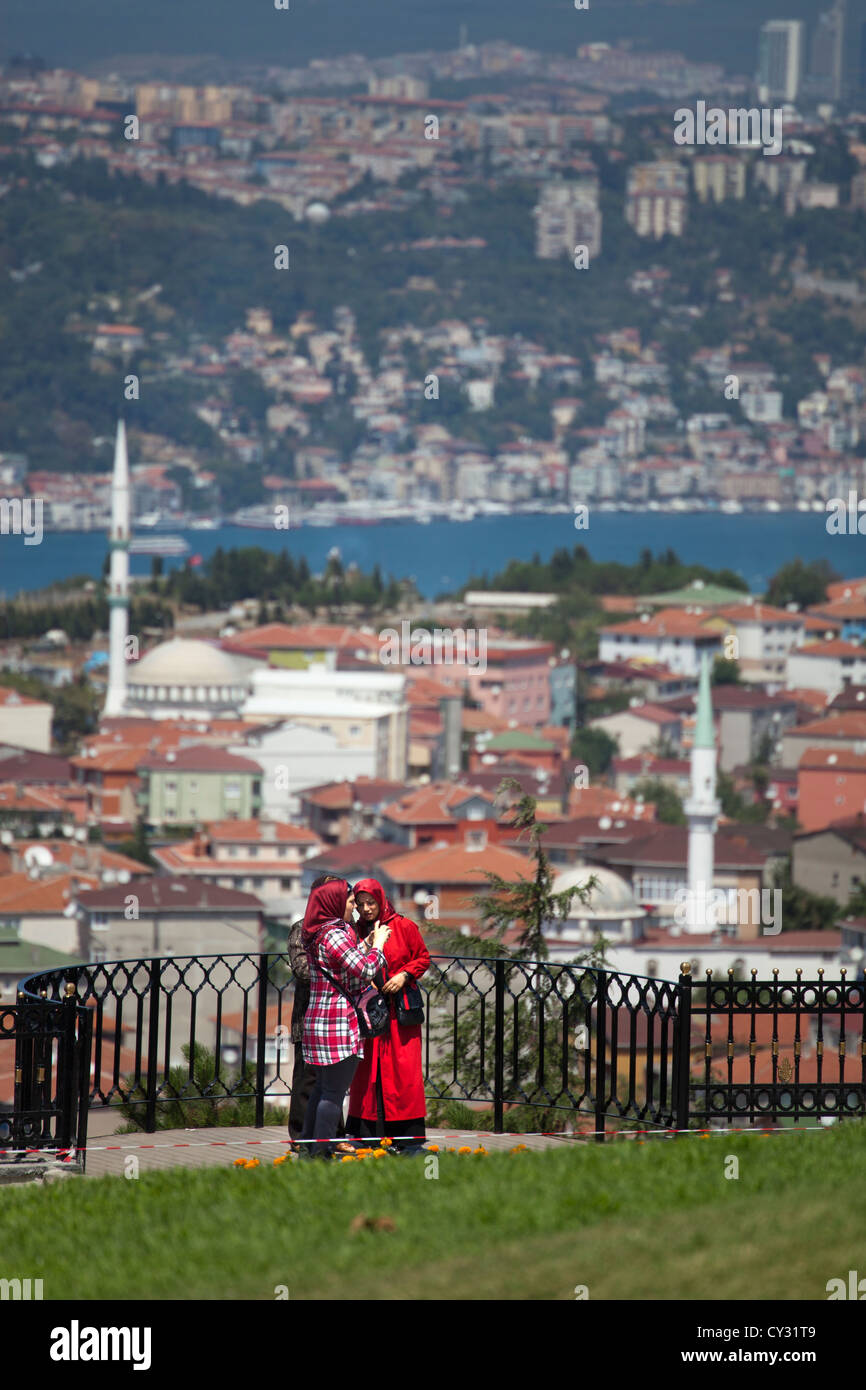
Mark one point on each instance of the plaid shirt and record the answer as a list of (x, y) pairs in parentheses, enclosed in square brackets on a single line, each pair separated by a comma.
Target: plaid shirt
[(331, 1030)]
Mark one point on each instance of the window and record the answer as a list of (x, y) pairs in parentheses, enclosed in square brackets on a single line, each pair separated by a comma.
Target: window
[(171, 784), (233, 788), (193, 786)]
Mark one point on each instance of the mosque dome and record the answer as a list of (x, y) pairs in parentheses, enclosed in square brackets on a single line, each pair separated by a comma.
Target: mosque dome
[(186, 677), (181, 661), (610, 900)]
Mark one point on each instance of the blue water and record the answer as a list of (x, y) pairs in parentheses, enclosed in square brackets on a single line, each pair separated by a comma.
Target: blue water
[(444, 554)]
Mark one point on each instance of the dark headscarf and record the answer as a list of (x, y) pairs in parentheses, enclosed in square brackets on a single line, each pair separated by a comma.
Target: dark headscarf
[(325, 907), (375, 889)]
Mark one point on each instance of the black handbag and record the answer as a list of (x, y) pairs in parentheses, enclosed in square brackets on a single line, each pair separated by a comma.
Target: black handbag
[(374, 1016), (410, 1006)]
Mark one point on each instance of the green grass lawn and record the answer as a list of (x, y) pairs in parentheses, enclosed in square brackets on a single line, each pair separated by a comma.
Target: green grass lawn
[(628, 1220)]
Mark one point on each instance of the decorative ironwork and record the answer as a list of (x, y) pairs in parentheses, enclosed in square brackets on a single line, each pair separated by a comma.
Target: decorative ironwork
[(498, 1032), (785, 1048), (51, 1044)]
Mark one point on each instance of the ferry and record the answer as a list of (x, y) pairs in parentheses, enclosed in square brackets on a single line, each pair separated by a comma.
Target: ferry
[(157, 521), (158, 545), (255, 518)]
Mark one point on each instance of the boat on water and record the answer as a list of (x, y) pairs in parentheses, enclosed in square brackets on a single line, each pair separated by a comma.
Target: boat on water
[(255, 518), (158, 521), (205, 523), (158, 545), (731, 507), (461, 511)]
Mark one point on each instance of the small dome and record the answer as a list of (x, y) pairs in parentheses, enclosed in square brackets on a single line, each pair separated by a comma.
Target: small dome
[(610, 898), (183, 662), (317, 212)]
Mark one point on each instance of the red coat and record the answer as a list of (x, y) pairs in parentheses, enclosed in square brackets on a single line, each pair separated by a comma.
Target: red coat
[(395, 1055)]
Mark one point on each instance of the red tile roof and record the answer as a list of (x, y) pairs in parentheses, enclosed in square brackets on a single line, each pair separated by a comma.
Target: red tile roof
[(835, 647), (454, 864), (669, 622), (172, 894), (11, 698), (260, 832), (22, 895), (848, 725), (434, 803), (341, 796), (759, 613), (199, 758)]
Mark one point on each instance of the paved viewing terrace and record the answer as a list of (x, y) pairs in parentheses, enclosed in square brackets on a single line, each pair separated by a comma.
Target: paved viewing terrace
[(205, 1148)]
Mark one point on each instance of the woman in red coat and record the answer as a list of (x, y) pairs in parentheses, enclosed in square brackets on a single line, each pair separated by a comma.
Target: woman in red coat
[(387, 1094)]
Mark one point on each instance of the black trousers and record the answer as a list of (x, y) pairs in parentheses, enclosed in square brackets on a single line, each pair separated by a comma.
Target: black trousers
[(303, 1083), (325, 1108)]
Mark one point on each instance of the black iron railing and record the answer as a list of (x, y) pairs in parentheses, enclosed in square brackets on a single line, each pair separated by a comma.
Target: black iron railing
[(207, 1038), (778, 1049), (48, 1044)]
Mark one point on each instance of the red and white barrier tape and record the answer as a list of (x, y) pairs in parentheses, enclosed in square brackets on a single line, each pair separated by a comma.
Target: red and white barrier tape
[(478, 1134)]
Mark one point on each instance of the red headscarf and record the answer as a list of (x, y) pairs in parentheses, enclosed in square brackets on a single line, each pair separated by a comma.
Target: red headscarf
[(325, 905), (375, 889)]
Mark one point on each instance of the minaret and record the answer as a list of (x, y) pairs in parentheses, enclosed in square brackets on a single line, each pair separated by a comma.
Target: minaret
[(118, 587), (702, 808)]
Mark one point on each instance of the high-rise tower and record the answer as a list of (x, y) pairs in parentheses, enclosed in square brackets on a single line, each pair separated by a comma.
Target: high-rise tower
[(118, 584), (702, 808), (781, 50)]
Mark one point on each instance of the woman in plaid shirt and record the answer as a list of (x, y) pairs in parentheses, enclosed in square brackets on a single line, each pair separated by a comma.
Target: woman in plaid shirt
[(332, 1036)]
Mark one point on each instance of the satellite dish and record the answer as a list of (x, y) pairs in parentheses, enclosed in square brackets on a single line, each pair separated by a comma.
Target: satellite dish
[(38, 857), (108, 876), (123, 875)]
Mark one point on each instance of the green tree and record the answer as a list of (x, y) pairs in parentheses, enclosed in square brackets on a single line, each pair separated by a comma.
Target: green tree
[(195, 1097), (734, 804), (543, 1001), (527, 903), (595, 748), (800, 583), (802, 910), (725, 672), (138, 847), (669, 806)]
